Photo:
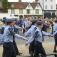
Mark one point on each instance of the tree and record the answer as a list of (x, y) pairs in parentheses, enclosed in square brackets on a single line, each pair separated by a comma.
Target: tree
[(5, 5)]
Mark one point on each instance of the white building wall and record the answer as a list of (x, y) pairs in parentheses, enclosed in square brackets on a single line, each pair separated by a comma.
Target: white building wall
[(40, 10), (24, 11), (16, 11), (32, 12), (41, 2), (48, 3), (9, 11)]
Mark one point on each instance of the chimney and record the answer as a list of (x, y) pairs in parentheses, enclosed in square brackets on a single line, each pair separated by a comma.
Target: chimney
[(20, 1)]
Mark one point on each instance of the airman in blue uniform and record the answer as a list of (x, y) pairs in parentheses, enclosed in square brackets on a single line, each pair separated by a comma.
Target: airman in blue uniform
[(55, 35), (29, 33), (36, 38), (8, 47)]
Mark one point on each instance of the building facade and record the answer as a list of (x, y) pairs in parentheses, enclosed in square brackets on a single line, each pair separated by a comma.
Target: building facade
[(45, 8), (25, 9), (49, 7)]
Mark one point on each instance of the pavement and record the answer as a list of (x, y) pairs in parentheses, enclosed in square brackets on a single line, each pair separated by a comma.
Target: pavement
[(48, 45)]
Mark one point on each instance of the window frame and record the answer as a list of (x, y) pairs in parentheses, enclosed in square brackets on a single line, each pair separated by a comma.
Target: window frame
[(28, 11), (20, 11), (37, 11)]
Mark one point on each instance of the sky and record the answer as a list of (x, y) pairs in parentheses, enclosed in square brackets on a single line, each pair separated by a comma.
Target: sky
[(24, 0)]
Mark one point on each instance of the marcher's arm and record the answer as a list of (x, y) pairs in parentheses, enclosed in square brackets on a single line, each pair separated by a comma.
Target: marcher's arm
[(18, 27), (29, 40), (46, 33), (54, 33), (20, 37)]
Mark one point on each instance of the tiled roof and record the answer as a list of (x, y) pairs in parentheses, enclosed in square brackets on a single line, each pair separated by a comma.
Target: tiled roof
[(22, 5), (18, 5)]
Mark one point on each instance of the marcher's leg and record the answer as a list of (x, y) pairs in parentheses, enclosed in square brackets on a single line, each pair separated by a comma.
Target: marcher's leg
[(13, 51), (55, 38), (39, 50), (16, 48), (7, 50), (31, 49), (43, 53), (55, 48), (3, 51), (36, 51)]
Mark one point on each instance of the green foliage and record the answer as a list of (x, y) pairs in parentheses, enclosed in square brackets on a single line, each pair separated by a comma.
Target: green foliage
[(5, 5)]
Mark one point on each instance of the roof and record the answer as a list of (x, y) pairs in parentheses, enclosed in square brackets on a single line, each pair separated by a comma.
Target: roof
[(22, 5), (18, 5)]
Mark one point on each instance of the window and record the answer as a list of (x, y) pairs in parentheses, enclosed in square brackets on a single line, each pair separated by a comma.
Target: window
[(20, 11), (12, 11), (45, 6), (37, 11), (28, 11)]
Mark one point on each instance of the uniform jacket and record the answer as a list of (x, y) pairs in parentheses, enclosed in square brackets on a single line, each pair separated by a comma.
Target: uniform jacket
[(37, 34), (8, 34)]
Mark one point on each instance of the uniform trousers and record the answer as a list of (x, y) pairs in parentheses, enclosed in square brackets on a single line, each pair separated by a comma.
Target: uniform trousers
[(55, 38), (8, 50), (38, 49), (16, 48), (31, 48)]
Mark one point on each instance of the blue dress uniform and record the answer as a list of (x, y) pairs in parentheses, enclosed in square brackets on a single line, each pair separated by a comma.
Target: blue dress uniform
[(29, 34), (37, 38), (8, 47), (14, 43), (1, 36), (55, 35), (16, 31)]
